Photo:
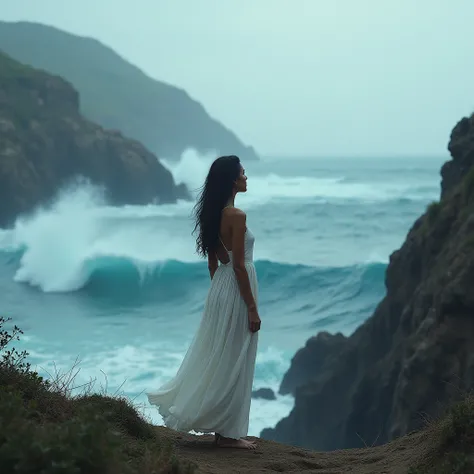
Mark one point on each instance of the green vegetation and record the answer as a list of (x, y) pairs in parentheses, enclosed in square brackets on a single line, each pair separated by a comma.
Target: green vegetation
[(118, 95), (429, 219), (433, 211), (467, 184), (13, 69), (453, 452), (13, 76), (44, 430)]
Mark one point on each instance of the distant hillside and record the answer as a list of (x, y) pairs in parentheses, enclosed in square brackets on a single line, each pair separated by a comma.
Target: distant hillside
[(118, 95)]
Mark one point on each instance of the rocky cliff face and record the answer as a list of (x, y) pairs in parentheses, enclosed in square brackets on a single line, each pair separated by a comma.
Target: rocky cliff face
[(45, 142), (416, 352)]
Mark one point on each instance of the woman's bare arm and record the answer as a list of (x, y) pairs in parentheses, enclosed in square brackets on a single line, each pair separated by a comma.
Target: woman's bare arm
[(238, 252), (212, 263)]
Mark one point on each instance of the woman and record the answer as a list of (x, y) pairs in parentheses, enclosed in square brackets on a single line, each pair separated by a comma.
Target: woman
[(212, 390)]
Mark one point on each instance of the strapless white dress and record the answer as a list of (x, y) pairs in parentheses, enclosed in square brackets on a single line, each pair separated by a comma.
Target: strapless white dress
[(212, 390)]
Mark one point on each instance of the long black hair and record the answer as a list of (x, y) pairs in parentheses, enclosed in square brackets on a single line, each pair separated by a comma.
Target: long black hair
[(215, 195)]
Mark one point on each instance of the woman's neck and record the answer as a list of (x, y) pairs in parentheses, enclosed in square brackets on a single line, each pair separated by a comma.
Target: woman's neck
[(230, 202)]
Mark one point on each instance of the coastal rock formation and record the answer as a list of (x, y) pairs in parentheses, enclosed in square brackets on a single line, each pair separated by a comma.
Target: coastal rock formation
[(264, 393), (117, 95), (319, 351), (415, 354), (45, 142)]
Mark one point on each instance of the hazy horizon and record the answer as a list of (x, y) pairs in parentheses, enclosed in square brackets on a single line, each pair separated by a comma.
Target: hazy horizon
[(339, 80)]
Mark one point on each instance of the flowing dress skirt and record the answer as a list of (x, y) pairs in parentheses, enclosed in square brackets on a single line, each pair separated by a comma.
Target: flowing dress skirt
[(212, 390)]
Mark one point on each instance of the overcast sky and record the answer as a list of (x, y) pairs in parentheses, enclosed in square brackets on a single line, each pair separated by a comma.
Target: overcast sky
[(314, 77)]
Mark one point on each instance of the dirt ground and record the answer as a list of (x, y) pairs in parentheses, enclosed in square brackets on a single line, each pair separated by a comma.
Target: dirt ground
[(393, 458)]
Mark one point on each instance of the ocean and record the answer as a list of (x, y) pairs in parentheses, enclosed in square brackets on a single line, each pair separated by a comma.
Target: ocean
[(114, 295)]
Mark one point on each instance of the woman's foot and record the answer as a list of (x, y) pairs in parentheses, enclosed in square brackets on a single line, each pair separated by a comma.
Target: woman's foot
[(234, 443)]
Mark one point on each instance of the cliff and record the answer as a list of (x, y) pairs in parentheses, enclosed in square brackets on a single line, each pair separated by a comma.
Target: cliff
[(118, 95), (45, 142), (415, 354)]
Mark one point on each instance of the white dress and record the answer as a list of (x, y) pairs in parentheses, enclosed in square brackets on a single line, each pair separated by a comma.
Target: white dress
[(212, 390)]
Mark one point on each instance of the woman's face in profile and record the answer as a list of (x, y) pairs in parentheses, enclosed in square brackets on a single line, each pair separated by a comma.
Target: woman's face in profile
[(241, 182)]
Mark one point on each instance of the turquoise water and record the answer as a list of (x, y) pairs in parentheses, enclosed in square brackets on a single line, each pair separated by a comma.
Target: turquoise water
[(119, 291)]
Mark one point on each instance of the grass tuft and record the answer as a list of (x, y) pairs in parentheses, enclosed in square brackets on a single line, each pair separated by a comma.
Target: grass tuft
[(453, 451)]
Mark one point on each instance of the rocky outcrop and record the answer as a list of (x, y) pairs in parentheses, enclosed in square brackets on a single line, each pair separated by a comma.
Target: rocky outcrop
[(264, 393), (461, 147), (117, 95), (415, 354), (318, 353), (45, 142)]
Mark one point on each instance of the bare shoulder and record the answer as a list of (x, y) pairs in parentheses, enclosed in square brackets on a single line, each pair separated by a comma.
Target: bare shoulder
[(236, 217), (234, 212)]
